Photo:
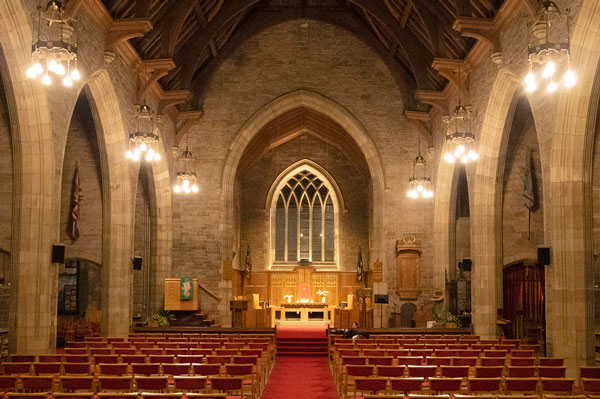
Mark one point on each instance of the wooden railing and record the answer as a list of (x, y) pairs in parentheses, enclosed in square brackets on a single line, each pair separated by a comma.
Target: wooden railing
[(209, 292)]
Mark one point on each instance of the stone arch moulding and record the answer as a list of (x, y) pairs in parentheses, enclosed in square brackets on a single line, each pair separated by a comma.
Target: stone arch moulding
[(486, 212), (279, 183), (569, 308), (117, 229), (328, 107), (34, 208), (163, 231)]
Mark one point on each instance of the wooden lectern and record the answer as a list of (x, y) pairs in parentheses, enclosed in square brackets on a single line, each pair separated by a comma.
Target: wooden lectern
[(238, 307), (364, 296)]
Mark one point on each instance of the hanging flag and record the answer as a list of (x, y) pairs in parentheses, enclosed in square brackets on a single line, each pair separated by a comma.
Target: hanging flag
[(528, 193), (359, 267), (75, 219), (248, 265), (186, 285)]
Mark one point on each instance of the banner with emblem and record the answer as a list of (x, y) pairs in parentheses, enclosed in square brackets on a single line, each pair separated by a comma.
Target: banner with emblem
[(186, 288)]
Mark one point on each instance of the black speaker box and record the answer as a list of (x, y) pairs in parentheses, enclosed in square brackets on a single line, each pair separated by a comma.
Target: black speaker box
[(137, 263), (58, 253), (379, 298), (466, 264), (543, 255)]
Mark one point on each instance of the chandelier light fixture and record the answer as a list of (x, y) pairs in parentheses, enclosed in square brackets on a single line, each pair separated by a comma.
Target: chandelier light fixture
[(549, 50), (54, 49), (419, 184), (186, 179), (143, 141), (460, 140)]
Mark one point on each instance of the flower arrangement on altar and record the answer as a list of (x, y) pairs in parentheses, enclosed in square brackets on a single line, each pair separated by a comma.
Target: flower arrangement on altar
[(288, 298), (323, 294)]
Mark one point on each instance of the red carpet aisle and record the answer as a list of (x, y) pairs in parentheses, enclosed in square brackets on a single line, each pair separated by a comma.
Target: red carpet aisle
[(306, 377), (302, 340)]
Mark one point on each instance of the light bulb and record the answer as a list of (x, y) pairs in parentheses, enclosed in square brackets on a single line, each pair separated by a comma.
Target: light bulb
[(551, 87), (137, 152), (420, 187), (60, 69), (570, 78), (52, 65), (143, 147), (186, 189), (37, 68), (531, 86), (529, 78), (459, 151), (186, 182), (67, 81), (449, 158), (464, 159), (409, 193), (195, 188), (549, 69), (156, 156), (31, 73), (75, 75), (46, 81), (473, 155), (136, 157), (177, 189), (128, 155)]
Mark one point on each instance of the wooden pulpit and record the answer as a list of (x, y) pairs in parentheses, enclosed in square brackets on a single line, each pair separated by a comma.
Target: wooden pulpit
[(364, 296), (238, 307)]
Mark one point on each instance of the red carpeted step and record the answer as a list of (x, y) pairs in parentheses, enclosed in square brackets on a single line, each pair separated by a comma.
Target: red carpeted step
[(307, 377), (302, 340)]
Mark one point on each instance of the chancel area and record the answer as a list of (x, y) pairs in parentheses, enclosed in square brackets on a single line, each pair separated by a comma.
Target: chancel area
[(299, 198)]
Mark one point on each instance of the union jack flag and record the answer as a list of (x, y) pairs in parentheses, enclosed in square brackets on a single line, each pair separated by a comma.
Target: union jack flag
[(74, 231)]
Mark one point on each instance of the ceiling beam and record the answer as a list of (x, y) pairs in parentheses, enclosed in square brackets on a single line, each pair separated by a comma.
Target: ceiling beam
[(344, 19), (457, 73), (142, 8), (125, 29), (198, 43), (463, 8), (184, 122), (172, 23), (418, 119), (419, 60), (150, 72), (436, 99)]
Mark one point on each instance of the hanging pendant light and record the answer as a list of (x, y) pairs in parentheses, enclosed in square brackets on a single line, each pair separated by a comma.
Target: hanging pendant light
[(54, 50), (186, 179), (143, 141), (460, 140), (549, 50), (419, 184)]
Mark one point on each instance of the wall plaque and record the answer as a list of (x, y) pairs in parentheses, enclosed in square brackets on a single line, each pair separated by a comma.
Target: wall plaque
[(378, 272)]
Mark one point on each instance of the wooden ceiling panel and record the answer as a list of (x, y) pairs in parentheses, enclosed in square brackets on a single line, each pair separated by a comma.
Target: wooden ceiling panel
[(407, 29), (299, 121)]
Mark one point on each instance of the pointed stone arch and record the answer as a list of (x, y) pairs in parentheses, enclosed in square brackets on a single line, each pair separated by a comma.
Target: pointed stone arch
[(328, 107), (34, 206), (569, 306), (486, 212), (117, 229)]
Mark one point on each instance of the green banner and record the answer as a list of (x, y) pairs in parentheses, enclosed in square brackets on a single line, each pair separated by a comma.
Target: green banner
[(187, 288)]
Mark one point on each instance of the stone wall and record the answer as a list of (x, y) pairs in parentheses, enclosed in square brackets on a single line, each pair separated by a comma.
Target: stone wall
[(255, 229), (82, 150), (522, 233), (316, 57), (6, 173)]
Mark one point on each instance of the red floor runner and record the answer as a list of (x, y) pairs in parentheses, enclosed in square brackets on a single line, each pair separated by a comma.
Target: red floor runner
[(291, 331), (306, 377)]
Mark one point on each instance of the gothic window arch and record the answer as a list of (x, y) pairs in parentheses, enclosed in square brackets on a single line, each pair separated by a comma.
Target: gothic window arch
[(304, 219)]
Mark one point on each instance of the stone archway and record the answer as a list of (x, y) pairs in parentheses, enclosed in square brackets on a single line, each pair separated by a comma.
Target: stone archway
[(312, 100), (486, 212), (33, 282), (569, 307), (117, 230)]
